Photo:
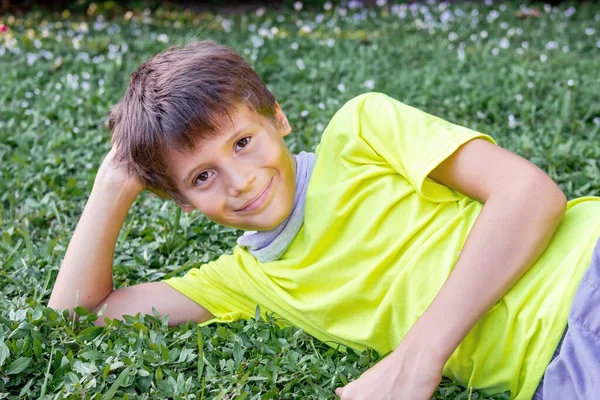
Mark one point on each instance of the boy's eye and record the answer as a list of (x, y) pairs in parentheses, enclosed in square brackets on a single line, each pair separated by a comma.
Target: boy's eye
[(203, 176), (243, 142)]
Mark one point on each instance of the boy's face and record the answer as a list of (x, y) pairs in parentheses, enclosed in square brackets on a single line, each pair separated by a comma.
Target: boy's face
[(245, 177)]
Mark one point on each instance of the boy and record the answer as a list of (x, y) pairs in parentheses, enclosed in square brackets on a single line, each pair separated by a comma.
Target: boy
[(405, 233)]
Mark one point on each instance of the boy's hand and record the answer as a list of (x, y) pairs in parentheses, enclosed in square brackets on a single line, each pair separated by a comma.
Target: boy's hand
[(114, 174), (403, 375)]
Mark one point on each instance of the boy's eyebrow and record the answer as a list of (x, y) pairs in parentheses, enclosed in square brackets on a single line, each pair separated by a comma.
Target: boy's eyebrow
[(189, 175)]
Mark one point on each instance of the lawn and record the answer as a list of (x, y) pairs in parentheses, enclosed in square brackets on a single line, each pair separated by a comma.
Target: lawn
[(526, 76)]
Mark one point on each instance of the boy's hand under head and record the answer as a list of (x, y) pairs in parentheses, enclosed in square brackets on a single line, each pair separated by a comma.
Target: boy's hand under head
[(114, 174)]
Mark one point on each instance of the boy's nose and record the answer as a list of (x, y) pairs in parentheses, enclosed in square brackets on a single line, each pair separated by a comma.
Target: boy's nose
[(241, 182)]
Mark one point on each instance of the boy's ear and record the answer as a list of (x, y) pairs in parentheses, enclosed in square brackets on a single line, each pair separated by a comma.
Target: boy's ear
[(282, 120)]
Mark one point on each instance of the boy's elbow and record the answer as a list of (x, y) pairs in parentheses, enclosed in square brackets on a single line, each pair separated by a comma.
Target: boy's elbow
[(559, 201), (554, 200)]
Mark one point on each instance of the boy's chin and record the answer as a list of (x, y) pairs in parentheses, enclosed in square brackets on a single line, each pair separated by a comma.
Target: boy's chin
[(265, 225)]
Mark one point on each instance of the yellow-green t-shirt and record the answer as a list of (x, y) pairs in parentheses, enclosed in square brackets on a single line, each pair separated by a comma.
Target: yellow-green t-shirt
[(379, 240)]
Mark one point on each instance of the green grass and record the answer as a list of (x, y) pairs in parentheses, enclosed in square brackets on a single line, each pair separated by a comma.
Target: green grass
[(59, 77)]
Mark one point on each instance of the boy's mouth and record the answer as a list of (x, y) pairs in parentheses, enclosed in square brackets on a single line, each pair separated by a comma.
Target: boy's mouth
[(257, 203)]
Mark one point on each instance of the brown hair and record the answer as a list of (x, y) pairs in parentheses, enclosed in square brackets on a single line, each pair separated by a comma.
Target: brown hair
[(177, 97)]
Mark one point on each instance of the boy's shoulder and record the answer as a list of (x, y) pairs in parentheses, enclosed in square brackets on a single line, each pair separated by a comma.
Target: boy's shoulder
[(375, 105), (370, 105), (357, 102)]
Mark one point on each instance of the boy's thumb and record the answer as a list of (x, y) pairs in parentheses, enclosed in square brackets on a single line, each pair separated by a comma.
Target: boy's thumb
[(339, 391)]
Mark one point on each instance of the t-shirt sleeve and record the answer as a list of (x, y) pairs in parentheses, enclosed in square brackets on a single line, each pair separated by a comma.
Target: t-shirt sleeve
[(216, 286), (411, 141)]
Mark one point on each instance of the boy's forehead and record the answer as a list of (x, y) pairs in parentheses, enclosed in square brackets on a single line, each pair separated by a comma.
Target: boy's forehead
[(235, 122), (229, 125)]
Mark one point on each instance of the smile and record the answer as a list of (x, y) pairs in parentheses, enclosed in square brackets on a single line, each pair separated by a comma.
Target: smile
[(260, 201)]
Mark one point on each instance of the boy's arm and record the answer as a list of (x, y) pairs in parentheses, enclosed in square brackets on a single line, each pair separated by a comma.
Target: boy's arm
[(87, 266), (523, 208)]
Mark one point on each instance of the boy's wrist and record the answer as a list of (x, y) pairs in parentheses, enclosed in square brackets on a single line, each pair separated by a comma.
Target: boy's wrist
[(127, 189)]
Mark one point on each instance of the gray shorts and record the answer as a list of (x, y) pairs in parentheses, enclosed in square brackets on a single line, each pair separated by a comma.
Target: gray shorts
[(574, 372)]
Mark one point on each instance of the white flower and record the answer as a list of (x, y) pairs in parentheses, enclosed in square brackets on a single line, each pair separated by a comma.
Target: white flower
[(381, 3), (322, 105), (565, 49), (543, 58), (226, 24), (300, 64), (504, 25), (589, 31), (571, 82), (569, 11), (495, 51), (596, 120), (530, 85), (260, 11), (480, 115), (551, 45), (492, 16), (31, 59), (520, 51), (304, 113), (330, 42), (483, 34), (519, 97), (446, 16), (257, 41), (298, 5), (294, 46), (369, 84), (85, 85), (525, 45), (341, 87), (512, 121), (327, 6), (530, 72), (452, 36), (461, 53), (473, 37), (504, 43), (163, 38)]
